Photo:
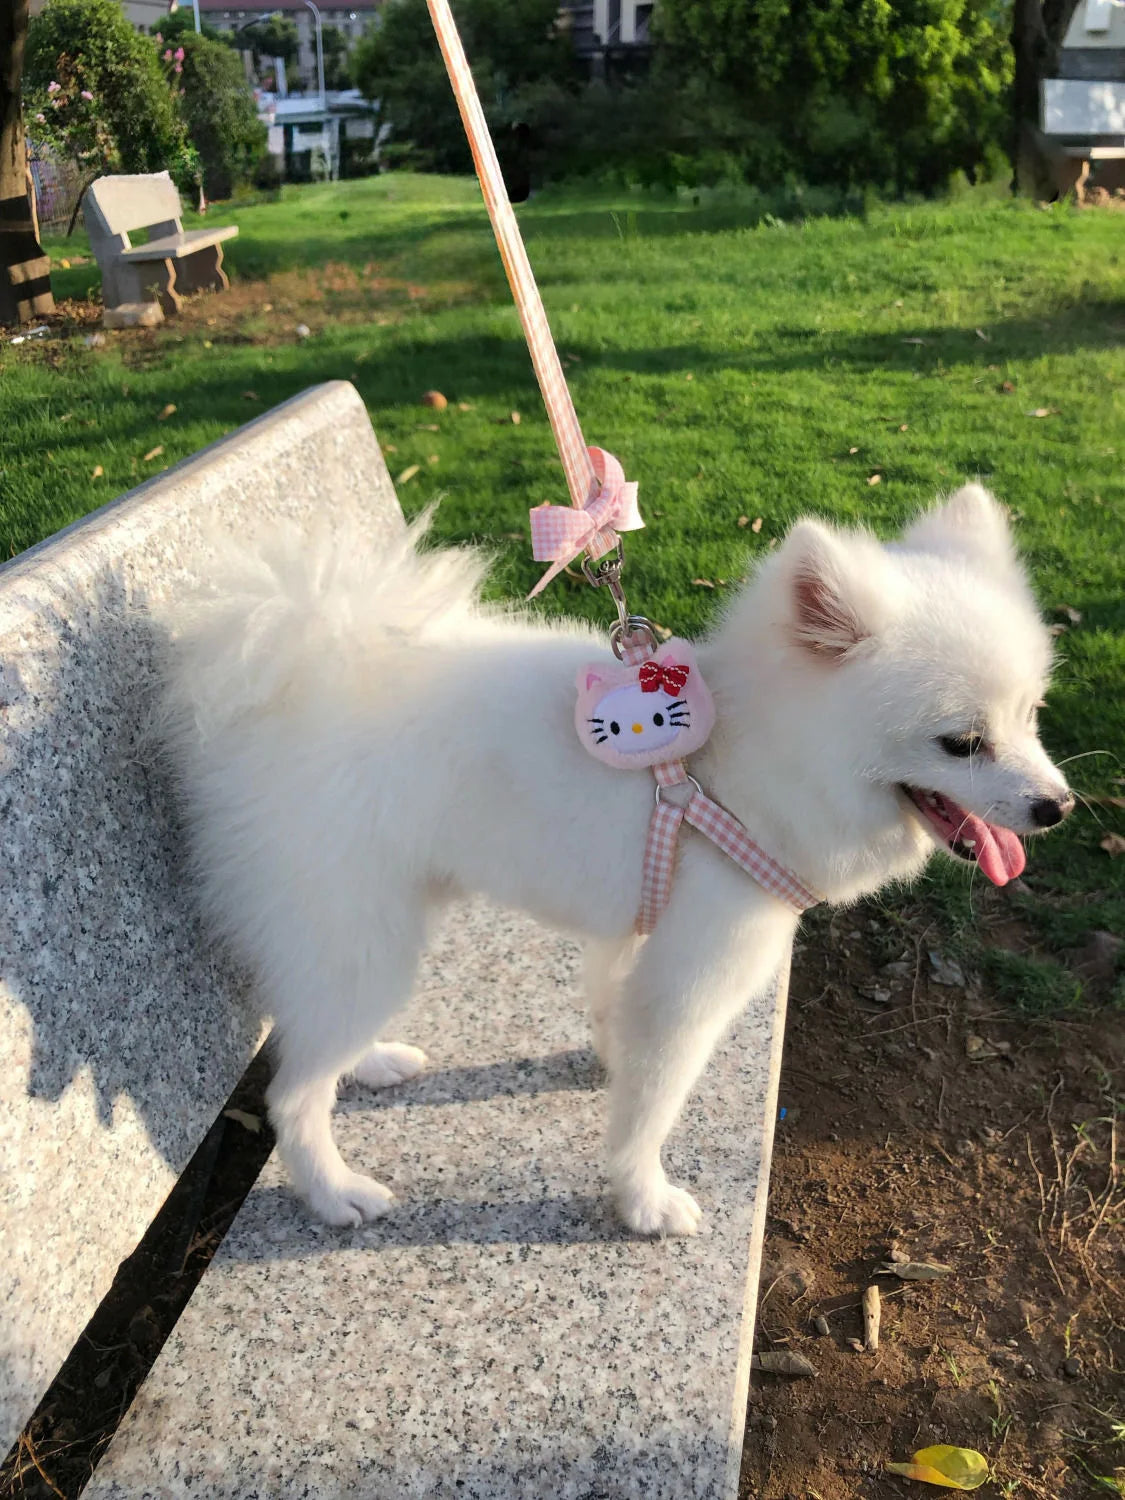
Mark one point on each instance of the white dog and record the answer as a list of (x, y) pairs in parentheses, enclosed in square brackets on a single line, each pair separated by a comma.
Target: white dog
[(360, 739)]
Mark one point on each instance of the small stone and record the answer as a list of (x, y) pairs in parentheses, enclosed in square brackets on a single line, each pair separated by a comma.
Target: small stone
[(946, 971), (133, 315), (1072, 1368), (434, 399), (302, 330), (820, 1323)]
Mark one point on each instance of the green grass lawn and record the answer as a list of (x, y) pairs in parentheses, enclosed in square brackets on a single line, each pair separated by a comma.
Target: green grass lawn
[(740, 366)]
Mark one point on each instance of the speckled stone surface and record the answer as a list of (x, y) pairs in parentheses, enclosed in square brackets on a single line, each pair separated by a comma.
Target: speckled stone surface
[(120, 1034), (499, 1336)]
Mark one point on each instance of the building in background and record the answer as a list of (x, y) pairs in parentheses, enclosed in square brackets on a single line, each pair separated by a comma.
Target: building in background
[(611, 35), (350, 21)]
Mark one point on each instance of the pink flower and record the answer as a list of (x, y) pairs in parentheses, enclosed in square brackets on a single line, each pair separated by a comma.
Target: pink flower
[(53, 88), (42, 119), (179, 54), (179, 68), (158, 37), (168, 54), (86, 94)]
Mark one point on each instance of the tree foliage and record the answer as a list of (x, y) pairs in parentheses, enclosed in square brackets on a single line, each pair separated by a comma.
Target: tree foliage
[(900, 93), (220, 113), (337, 72), (273, 36), (111, 106), (511, 44)]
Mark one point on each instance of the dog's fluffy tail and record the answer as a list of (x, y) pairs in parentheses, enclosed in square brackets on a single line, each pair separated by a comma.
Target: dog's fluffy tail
[(284, 607)]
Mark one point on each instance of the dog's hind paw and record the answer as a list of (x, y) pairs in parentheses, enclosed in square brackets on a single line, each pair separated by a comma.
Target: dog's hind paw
[(387, 1063), (350, 1200), (660, 1208)]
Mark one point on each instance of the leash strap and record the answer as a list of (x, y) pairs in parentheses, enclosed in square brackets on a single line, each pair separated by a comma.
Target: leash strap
[(610, 503)]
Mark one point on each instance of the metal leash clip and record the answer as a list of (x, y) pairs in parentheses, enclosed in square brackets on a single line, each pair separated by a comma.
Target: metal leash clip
[(606, 573)]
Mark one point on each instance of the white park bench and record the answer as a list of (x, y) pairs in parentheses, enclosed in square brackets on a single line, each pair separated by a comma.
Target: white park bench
[(499, 1335), (173, 260)]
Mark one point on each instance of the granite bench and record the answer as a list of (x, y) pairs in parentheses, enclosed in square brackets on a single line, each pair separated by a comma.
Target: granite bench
[(169, 263), (499, 1335)]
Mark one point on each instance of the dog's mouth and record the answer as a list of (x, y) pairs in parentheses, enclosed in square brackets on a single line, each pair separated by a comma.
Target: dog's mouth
[(996, 850)]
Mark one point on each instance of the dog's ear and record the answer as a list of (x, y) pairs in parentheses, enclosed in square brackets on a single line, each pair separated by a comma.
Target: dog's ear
[(834, 585), (971, 523)]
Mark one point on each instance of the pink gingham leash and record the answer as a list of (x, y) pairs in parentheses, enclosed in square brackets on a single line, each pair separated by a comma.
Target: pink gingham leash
[(715, 823), (598, 492)]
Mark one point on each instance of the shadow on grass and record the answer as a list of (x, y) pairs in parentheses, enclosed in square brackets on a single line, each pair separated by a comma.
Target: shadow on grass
[(390, 374)]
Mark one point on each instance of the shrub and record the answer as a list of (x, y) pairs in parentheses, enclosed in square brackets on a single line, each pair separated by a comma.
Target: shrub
[(899, 94), (220, 114), (111, 107)]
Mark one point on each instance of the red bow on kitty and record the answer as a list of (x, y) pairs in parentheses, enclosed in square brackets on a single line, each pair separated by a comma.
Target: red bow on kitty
[(671, 677)]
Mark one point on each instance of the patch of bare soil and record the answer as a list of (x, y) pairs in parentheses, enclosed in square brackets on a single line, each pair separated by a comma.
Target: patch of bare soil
[(926, 1122)]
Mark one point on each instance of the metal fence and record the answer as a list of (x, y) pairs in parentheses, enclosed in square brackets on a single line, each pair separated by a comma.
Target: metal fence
[(57, 185)]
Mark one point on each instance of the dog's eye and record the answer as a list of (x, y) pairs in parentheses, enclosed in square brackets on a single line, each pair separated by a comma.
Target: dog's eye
[(658, 720), (961, 745)]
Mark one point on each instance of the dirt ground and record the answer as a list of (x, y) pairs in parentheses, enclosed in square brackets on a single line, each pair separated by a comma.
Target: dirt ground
[(925, 1121)]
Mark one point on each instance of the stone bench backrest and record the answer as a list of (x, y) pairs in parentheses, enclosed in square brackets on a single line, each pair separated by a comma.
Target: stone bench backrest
[(121, 1031), (120, 205)]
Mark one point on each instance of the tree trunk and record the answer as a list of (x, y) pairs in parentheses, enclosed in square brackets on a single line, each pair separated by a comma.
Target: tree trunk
[(25, 276), (1038, 28)]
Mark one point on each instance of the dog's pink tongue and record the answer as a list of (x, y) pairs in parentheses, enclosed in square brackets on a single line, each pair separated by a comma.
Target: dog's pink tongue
[(999, 852)]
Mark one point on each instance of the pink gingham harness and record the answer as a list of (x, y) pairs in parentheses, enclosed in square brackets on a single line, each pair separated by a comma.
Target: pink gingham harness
[(603, 503), (714, 822)]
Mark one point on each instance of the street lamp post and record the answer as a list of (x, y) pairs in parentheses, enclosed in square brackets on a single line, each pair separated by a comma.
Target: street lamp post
[(319, 53)]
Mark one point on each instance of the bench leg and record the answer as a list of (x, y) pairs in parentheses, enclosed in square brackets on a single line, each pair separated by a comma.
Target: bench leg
[(203, 271), (148, 281)]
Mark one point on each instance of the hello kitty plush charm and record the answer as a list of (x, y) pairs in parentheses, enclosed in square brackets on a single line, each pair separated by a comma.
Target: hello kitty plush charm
[(644, 714)]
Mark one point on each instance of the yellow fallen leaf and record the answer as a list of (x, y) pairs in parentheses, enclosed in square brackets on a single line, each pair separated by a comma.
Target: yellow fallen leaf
[(756, 524), (408, 474), (65, 263), (948, 1467), (1113, 843), (744, 520), (875, 479), (154, 453), (98, 472), (167, 412), (516, 419)]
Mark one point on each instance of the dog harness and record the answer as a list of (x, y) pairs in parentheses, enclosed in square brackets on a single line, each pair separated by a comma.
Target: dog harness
[(712, 820)]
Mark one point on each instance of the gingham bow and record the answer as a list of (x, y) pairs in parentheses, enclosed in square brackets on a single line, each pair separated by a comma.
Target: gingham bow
[(560, 532), (671, 677)]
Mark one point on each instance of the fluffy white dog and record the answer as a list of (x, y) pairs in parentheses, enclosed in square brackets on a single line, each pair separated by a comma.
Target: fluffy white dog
[(360, 740)]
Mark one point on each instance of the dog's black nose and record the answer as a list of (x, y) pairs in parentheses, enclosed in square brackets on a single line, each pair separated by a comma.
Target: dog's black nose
[(1048, 811)]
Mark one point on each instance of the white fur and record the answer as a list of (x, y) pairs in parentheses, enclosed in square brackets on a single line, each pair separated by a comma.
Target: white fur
[(360, 739)]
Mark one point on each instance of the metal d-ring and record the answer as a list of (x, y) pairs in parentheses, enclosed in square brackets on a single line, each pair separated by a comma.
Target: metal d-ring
[(626, 629), (660, 789)]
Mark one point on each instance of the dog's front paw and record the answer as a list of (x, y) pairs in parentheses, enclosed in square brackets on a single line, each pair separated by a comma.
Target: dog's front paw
[(387, 1063), (349, 1200), (659, 1208)]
